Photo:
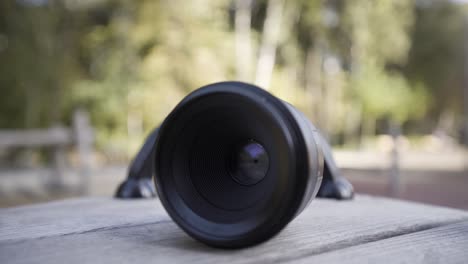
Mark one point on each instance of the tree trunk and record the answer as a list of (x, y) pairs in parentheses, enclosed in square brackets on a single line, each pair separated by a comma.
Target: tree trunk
[(270, 36), (243, 43)]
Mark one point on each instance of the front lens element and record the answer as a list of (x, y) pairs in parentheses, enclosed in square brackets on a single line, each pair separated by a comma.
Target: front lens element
[(249, 163)]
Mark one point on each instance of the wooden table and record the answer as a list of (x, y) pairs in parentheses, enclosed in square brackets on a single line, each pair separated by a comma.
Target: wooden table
[(105, 230)]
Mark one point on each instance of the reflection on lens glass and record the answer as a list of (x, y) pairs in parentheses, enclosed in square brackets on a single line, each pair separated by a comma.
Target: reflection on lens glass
[(249, 163)]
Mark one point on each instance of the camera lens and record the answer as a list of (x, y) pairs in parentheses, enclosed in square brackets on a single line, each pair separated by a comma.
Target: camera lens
[(249, 163), (234, 164)]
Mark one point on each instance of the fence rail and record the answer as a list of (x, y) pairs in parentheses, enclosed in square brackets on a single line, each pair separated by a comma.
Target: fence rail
[(58, 138)]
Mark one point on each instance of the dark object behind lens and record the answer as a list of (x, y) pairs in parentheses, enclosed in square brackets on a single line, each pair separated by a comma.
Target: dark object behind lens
[(234, 164)]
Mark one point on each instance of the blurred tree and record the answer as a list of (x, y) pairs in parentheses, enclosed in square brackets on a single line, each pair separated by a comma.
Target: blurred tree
[(38, 61), (243, 18), (436, 59), (380, 37), (146, 58), (346, 64)]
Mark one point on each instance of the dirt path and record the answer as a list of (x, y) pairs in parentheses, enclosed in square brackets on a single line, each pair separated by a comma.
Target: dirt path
[(445, 188)]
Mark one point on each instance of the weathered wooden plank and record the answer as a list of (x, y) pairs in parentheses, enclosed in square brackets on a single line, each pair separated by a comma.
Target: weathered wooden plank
[(446, 244), (76, 216), (149, 235)]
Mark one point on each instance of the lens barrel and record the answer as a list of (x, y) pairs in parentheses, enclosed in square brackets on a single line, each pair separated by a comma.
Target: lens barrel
[(234, 164)]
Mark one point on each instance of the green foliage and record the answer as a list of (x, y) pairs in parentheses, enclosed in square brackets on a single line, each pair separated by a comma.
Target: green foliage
[(380, 38), (129, 62), (36, 63), (379, 30), (389, 95), (145, 60), (437, 58)]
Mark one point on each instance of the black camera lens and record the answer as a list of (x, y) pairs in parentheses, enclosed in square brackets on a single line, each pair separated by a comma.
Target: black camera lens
[(249, 163), (234, 164)]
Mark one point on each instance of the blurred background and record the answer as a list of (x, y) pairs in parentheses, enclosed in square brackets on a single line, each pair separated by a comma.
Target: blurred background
[(82, 82)]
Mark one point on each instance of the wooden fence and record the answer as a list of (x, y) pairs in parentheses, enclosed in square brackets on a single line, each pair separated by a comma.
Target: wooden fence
[(58, 138)]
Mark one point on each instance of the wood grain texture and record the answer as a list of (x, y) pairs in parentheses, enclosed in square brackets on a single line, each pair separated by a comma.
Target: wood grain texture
[(76, 216), (446, 244), (108, 231)]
